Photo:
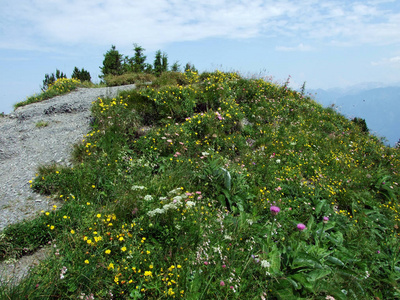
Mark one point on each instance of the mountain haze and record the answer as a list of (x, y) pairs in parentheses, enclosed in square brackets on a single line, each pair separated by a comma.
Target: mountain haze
[(379, 106)]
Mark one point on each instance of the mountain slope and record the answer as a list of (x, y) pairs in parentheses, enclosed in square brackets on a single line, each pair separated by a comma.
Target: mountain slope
[(217, 187)]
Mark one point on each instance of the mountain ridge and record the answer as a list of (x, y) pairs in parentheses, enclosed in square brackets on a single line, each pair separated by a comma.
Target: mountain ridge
[(377, 105)]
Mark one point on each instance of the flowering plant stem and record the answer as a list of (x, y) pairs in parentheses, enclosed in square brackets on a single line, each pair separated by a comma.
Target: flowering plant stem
[(270, 233)]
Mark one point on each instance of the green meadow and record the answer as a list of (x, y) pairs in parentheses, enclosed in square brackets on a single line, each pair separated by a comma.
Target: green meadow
[(215, 186)]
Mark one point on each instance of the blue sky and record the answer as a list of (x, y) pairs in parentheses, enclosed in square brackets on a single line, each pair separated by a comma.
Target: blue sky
[(327, 43)]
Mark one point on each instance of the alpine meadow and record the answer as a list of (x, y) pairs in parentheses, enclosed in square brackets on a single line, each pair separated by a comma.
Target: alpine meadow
[(212, 186)]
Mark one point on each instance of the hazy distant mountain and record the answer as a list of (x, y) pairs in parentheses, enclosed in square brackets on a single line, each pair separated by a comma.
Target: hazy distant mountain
[(377, 104)]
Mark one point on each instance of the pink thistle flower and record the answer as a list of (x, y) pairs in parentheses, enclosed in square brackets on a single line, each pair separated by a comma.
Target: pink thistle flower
[(274, 210), (301, 226), (325, 219), (222, 283)]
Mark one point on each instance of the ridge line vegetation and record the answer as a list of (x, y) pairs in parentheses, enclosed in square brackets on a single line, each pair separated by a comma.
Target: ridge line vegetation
[(213, 186)]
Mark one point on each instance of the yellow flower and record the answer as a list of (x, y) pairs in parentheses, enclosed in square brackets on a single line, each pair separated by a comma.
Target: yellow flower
[(51, 227), (123, 249), (47, 213), (170, 292), (98, 215), (108, 251), (110, 266), (72, 231), (179, 266), (86, 261), (148, 273)]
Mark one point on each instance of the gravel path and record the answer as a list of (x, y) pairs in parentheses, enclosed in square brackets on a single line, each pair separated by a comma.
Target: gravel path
[(24, 146)]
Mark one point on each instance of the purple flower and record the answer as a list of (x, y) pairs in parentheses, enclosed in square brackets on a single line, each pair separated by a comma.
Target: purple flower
[(325, 219), (274, 210), (301, 226), (222, 283)]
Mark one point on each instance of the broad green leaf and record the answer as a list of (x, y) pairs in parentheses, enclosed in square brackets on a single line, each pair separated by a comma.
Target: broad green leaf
[(318, 274), (286, 294), (335, 260), (300, 278), (275, 259), (319, 206), (227, 179), (293, 283), (304, 260), (310, 223)]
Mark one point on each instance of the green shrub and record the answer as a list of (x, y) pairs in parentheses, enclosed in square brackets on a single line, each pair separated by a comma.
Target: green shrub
[(128, 78), (81, 75), (50, 79), (361, 124), (59, 87)]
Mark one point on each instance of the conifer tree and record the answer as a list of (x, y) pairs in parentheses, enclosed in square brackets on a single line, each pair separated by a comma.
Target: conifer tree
[(175, 67), (112, 63), (160, 63), (50, 79), (139, 59), (81, 75)]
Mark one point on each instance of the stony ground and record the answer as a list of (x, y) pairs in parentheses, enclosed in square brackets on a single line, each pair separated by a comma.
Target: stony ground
[(34, 135)]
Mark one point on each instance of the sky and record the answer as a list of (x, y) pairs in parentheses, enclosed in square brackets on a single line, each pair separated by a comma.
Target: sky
[(325, 43)]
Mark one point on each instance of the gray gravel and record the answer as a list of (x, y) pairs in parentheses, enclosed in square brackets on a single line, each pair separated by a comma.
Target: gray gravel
[(24, 146)]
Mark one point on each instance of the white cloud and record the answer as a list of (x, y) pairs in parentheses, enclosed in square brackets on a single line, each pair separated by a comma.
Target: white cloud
[(300, 47), (391, 62), (34, 24)]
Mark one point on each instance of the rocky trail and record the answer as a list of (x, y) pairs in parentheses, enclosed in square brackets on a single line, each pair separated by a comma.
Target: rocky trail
[(39, 134)]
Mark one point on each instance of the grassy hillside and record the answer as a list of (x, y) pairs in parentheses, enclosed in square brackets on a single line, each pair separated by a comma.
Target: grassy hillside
[(213, 186)]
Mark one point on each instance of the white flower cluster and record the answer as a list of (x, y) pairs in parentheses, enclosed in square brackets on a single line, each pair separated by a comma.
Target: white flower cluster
[(174, 204), (175, 191), (138, 187), (152, 213), (190, 204), (148, 197), (265, 264), (63, 271)]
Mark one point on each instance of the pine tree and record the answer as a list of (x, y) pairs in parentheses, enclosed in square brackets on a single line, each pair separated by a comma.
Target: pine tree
[(175, 67), (160, 63), (157, 64), (139, 59), (112, 63), (190, 68), (50, 79), (81, 75)]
